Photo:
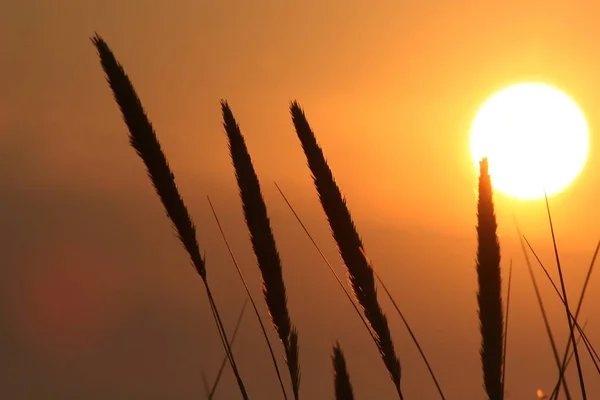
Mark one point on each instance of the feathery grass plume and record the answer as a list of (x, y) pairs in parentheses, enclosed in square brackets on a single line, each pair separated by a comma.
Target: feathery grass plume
[(349, 243), (256, 312), (263, 243), (566, 304), (544, 315), (143, 139), (506, 329), (343, 387), (489, 295)]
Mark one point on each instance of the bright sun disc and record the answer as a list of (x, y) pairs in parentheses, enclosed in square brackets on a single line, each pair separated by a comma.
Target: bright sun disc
[(535, 138)]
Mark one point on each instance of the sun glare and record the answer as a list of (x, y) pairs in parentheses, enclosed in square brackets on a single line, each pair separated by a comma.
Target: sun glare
[(535, 138)]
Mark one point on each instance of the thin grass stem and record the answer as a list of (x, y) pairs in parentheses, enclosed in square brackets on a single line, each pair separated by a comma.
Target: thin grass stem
[(238, 323), (256, 312)]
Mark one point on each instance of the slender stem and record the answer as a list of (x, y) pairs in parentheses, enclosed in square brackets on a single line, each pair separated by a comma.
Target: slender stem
[(544, 316), (205, 383), (576, 324), (225, 341), (212, 391), (555, 391), (412, 335), (256, 312), (337, 278), (568, 312)]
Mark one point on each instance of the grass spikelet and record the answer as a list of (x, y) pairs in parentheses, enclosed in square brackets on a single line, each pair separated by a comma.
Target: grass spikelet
[(263, 244), (143, 139), (343, 387), (489, 294), (349, 243)]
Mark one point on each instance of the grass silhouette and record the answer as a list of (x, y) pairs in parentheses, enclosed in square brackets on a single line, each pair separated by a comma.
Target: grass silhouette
[(350, 246), (143, 139), (263, 244), (360, 272), (489, 295), (342, 385)]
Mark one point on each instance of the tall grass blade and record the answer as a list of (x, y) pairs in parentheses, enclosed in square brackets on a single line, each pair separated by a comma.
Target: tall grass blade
[(566, 302), (256, 312), (489, 295), (343, 387), (506, 330), (263, 244), (544, 316), (577, 311), (349, 243), (586, 341), (143, 139), (556, 390)]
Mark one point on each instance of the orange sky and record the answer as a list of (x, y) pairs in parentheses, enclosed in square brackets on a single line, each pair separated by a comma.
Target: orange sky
[(97, 299)]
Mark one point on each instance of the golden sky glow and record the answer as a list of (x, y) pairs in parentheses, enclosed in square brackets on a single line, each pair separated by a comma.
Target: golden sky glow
[(391, 89)]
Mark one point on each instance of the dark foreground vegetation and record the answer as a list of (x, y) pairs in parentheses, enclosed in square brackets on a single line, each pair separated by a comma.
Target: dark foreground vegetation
[(361, 275)]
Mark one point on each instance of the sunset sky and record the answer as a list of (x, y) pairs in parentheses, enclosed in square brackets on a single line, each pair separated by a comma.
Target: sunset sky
[(97, 297)]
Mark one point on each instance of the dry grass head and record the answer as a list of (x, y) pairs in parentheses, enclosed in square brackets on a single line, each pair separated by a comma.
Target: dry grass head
[(349, 244), (342, 385), (263, 244)]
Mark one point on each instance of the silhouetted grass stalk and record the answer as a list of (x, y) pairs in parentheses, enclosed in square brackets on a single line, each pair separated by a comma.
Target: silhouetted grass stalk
[(489, 295), (263, 244), (236, 328), (555, 391), (143, 139), (349, 243), (566, 303), (343, 387), (586, 340), (544, 316), (256, 312), (578, 310)]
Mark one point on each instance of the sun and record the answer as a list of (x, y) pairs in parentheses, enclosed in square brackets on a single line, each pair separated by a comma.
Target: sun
[(535, 138)]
